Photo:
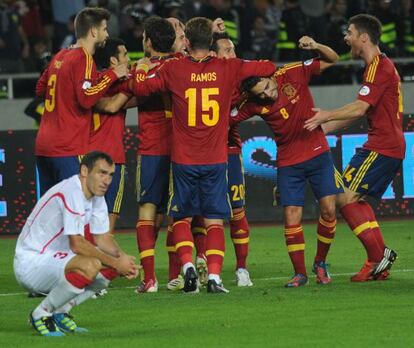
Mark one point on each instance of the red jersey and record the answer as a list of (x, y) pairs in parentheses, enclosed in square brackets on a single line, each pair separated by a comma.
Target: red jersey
[(382, 90), (70, 88), (107, 131), (154, 120), (234, 141), (201, 92), (287, 115)]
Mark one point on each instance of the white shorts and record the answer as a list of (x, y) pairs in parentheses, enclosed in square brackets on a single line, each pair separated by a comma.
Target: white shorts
[(41, 272)]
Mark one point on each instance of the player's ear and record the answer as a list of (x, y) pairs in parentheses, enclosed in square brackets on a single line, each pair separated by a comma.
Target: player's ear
[(114, 61), (84, 171), (94, 32)]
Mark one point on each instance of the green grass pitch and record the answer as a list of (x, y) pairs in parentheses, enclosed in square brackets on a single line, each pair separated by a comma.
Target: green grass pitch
[(341, 314)]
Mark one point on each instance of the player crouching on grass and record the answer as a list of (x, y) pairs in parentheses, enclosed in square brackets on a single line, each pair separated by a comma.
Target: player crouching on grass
[(53, 256)]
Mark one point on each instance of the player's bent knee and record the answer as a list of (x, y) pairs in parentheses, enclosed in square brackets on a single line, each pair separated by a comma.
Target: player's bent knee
[(90, 267)]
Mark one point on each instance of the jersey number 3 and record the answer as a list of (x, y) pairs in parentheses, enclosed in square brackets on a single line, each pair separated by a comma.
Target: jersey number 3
[(50, 101), (208, 105)]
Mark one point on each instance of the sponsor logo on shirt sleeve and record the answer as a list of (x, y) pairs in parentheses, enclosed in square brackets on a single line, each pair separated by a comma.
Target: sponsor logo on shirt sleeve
[(364, 90), (308, 62)]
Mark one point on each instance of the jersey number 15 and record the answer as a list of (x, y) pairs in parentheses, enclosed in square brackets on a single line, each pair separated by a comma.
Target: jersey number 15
[(208, 105)]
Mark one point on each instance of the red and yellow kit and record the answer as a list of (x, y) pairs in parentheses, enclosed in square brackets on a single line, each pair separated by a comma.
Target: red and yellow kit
[(154, 119), (107, 131), (201, 92), (287, 115), (382, 90), (70, 86)]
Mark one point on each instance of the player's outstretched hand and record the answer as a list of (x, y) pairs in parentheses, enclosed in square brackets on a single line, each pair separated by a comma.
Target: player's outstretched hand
[(321, 116), (121, 70), (218, 26), (307, 43)]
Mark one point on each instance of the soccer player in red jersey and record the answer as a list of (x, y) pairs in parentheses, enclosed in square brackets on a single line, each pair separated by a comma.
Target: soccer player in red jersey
[(239, 226), (284, 102), (70, 88), (154, 149), (201, 87), (374, 166), (108, 128)]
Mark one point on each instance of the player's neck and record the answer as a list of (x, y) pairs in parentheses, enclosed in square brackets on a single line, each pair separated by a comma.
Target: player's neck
[(199, 54), (87, 45), (158, 54), (370, 53)]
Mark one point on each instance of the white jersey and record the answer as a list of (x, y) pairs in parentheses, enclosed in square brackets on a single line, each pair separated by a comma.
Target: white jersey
[(60, 212)]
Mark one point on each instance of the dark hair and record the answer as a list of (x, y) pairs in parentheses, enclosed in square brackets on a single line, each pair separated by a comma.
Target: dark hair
[(249, 83), (217, 37), (199, 32), (103, 54), (365, 23), (90, 159), (160, 32), (88, 18)]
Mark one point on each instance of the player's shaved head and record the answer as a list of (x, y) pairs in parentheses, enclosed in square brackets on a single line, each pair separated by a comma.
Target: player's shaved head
[(161, 33), (88, 18), (199, 33)]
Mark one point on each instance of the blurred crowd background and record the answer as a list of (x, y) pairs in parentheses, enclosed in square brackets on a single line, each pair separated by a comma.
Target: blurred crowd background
[(32, 30)]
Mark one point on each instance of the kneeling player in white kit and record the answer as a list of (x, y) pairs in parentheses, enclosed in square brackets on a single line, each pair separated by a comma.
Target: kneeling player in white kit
[(54, 256)]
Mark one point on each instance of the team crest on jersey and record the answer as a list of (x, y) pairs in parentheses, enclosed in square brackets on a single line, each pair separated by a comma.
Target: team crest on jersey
[(364, 90), (58, 64), (86, 84), (289, 91)]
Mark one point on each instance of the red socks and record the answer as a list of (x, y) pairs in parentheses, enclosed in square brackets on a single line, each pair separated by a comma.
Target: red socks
[(174, 264), (146, 246), (215, 246), (356, 216), (295, 242), (183, 240), (326, 234), (199, 234), (239, 231)]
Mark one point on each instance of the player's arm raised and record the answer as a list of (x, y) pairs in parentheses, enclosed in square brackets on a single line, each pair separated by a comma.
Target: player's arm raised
[(248, 68), (328, 56), (144, 84)]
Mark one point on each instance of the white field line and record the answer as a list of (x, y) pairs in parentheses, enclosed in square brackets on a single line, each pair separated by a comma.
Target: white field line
[(254, 279)]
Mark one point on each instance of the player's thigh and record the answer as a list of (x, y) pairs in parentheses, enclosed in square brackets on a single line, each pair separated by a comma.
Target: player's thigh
[(214, 192), (370, 173), (184, 191), (291, 184), (115, 192), (236, 187), (323, 177), (65, 167), (152, 180), (41, 272)]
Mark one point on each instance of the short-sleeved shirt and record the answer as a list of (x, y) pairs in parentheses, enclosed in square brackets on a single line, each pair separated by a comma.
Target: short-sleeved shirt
[(62, 211), (382, 90), (70, 86), (154, 119), (201, 92), (107, 131), (286, 116)]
